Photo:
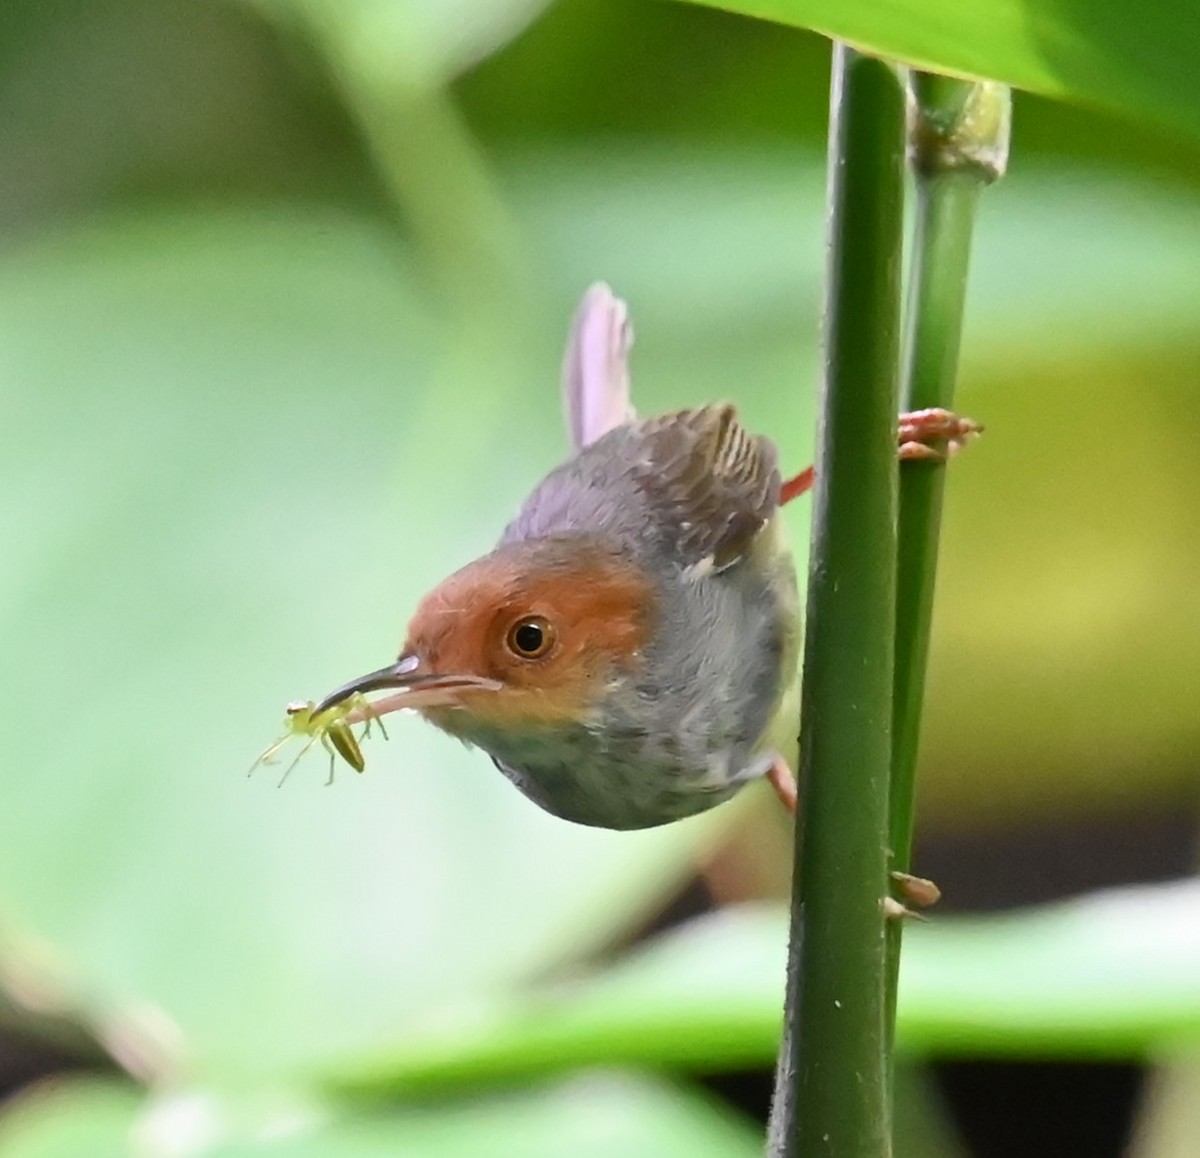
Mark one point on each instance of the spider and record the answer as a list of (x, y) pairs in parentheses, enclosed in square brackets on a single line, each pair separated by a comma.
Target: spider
[(331, 727)]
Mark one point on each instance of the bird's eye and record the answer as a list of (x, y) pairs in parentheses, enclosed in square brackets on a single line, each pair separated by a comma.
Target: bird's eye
[(531, 637)]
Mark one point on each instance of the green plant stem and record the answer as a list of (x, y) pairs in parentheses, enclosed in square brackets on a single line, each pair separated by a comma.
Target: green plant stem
[(958, 140), (945, 217), (442, 193), (437, 179), (830, 1092), (441, 185)]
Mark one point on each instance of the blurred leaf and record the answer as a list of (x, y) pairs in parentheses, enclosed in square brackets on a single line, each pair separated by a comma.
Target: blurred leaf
[(69, 1118), (594, 1116), (1135, 59), (420, 42), (390, 60), (1067, 262), (1168, 1120), (1113, 975), (922, 1126), (230, 480)]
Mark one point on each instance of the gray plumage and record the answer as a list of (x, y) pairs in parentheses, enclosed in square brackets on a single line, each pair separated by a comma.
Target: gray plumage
[(691, 499), (685, 508)]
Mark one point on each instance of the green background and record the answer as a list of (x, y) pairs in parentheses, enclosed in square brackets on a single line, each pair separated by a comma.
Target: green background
[(283, 292)]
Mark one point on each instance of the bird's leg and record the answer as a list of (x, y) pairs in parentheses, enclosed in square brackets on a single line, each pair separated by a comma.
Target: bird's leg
[(917, 891), (932, 435), (780, 777), (794, 487)]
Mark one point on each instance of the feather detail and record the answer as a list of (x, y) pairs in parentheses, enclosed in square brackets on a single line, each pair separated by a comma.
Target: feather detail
[(711, 481)]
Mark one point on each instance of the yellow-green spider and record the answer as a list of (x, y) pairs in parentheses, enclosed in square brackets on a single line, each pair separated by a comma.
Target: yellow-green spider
[(331, 727)]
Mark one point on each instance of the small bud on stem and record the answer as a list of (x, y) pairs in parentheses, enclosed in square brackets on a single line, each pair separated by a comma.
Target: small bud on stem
[(958, 124)]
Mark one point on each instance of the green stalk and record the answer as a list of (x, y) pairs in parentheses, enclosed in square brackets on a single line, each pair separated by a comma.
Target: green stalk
[(830, 1091), (958, 144), (440, 182), (436, 177), (441, 191)]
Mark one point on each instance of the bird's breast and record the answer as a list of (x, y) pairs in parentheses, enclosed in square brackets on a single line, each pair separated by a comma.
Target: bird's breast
[(613, 771)]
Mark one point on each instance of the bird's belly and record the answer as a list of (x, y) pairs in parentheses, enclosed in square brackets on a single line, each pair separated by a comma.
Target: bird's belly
[(603, 789)]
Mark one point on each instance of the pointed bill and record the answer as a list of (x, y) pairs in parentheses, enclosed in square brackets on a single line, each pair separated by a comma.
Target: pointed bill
[(415, 687)]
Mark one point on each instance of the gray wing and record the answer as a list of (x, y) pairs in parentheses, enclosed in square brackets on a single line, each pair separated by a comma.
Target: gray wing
[(711, 481), (693, 484)]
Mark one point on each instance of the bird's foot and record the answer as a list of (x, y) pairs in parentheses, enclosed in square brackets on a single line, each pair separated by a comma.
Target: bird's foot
[(781, 778), (918, 891), (934, 435), (895, 910)]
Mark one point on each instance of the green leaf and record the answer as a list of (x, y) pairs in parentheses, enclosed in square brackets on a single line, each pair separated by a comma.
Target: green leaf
[(421, 42), (64, 1119), (593, 1116), (1137, 59), (1115, 975)]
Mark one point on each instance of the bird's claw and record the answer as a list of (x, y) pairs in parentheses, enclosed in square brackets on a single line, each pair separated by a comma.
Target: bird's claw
[(893, 910), (934, 435), (918, 891)]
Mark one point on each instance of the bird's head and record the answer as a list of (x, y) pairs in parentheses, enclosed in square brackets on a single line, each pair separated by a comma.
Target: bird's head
[(530, 635)]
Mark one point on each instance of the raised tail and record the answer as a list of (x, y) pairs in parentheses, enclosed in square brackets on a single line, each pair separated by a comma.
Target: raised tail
[(595, 375)]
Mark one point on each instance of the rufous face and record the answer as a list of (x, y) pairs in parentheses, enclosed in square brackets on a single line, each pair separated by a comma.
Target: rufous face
[(546, 621)]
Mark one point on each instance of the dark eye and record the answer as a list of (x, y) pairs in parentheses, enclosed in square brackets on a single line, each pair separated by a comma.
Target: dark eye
[(531, 637)]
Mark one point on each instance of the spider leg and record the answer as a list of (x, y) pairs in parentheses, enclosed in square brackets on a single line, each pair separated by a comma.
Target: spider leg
[(327, 744), (299, 757), (267, 753)]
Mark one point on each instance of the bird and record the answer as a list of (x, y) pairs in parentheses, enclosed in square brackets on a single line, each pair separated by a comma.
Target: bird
[(628, 653)]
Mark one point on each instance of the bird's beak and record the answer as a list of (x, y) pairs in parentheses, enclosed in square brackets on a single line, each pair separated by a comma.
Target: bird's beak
[(417, 688)]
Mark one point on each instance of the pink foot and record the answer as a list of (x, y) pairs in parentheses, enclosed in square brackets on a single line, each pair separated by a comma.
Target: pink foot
[(934, 435), (780, 777), (918, 429)]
